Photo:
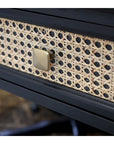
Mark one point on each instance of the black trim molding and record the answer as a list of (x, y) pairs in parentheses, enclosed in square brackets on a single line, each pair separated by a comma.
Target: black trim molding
[(93, 29)]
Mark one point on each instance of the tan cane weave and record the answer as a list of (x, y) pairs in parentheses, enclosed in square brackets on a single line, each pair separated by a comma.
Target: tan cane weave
[(81, 62)]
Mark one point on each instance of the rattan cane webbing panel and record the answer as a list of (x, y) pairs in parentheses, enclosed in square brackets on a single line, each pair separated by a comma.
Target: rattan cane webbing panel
[(81, 62)]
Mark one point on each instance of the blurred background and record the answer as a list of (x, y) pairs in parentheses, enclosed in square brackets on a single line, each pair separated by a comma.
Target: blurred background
[(21, 117)]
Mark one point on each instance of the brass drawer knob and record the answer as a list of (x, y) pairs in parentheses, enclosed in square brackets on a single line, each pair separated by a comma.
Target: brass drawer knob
[(42, 58)]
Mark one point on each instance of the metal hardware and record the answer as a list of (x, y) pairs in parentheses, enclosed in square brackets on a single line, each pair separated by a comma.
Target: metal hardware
[(41, 59)]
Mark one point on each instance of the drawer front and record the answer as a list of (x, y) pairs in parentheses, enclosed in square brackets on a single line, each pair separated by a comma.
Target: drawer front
[(80, 62)]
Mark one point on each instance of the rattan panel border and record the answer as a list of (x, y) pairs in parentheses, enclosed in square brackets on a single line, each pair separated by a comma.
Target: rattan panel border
[(81, 62)]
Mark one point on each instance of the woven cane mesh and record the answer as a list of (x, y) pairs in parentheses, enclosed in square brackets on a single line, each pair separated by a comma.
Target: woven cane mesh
[(81, 62)]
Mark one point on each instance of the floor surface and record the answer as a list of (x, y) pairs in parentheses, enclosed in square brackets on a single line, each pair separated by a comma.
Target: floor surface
[(16, 112)]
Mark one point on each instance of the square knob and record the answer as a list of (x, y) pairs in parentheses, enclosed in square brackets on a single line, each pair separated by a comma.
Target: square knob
[(41, 59)]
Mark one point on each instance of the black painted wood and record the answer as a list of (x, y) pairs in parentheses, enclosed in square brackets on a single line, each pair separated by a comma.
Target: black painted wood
[(71, 25), (95, 16)]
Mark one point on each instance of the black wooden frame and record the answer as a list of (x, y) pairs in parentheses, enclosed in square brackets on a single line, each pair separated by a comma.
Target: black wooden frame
[(89, 28), (77, 105)]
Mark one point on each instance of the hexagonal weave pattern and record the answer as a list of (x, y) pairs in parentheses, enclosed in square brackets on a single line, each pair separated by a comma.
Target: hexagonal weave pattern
[(81, 62)]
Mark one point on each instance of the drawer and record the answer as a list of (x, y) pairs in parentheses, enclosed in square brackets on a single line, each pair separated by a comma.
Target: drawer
[(78, 81), (80, 62)]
